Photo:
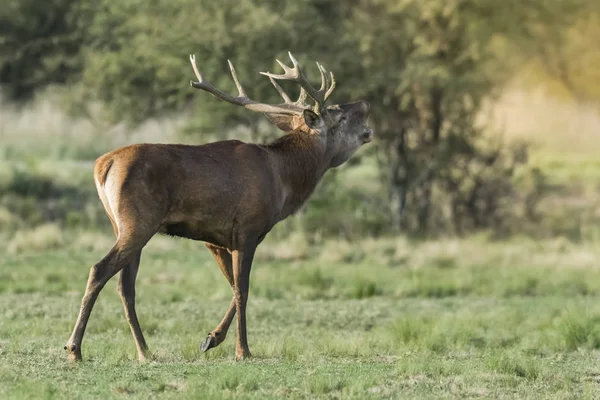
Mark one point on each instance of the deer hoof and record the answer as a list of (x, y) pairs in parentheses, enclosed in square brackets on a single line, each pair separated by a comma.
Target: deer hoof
[(74, 352), (243, 356), (208, 343)]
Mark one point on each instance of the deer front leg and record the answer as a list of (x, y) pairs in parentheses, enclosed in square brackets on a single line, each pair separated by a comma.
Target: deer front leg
[(242, 263), (217, 336)]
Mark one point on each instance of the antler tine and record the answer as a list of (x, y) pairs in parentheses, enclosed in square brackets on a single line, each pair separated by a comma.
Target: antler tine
[(286, 98), (289, 72), (331, 85), (283, 94), (240, 89), (324, 82), (296, 64), (327, 81), (301, 97), (195, 67)]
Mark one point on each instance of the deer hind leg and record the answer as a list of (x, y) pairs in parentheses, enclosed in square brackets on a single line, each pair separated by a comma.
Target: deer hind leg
[(127, 292), (123, 254), (217, 336)]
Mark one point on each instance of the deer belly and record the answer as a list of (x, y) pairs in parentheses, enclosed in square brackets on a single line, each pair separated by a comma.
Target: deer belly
[(194, 231)]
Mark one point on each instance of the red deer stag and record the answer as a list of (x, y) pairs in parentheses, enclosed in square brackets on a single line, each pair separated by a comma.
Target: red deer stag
[(228, 194)]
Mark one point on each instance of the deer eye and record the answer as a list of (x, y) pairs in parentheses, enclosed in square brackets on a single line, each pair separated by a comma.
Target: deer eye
[(343, 118)]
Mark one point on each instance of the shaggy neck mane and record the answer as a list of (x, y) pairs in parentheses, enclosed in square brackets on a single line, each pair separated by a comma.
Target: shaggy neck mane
[(301, 159)]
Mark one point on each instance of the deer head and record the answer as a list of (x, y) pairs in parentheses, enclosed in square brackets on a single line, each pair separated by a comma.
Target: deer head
[(341, 128)]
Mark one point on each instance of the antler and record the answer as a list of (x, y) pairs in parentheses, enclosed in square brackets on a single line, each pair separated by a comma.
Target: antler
[(295, 75), (288, 108)]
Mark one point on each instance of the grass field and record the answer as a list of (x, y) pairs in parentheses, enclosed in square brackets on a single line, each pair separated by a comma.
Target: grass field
[(384, 319)]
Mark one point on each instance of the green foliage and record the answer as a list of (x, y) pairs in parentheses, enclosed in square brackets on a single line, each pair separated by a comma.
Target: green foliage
[(137, 64), (40, 44)]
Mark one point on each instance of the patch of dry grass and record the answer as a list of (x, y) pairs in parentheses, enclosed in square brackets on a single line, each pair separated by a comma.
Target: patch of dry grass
[(41, 238), (42, 130)]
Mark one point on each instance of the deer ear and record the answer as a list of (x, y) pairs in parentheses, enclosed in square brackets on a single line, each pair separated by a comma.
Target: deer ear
[(312, 119)]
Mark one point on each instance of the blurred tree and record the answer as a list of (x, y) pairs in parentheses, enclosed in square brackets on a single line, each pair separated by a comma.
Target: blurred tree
[(137, 56), (39, 45), (427, 66), (562, 52)]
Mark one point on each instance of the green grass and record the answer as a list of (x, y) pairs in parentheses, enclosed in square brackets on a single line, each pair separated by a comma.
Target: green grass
[(448, 319)]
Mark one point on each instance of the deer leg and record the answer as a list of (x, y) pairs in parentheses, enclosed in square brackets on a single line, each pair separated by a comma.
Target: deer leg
[(217, 336), (121, 255), (127, 292), (242, 263)]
